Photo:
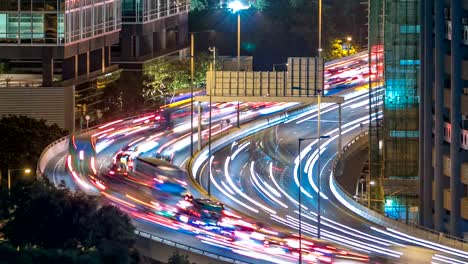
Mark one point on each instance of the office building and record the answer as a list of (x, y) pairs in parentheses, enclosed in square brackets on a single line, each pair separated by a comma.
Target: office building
[(68, 38), (422, 136), (82, 44), (444, 116)]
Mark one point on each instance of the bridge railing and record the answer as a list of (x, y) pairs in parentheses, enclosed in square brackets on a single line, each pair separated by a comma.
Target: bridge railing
[(414, 230), (187, 247)]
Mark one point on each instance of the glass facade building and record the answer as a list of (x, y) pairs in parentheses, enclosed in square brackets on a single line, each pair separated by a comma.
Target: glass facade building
[(57, 22), (394, 29), (423, 132), (143, 11)]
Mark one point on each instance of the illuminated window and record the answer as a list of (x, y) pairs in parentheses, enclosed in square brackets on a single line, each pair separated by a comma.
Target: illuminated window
[(410, 29)]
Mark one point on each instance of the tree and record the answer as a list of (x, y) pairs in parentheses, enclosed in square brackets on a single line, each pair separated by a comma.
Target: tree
[(110, 224), (166, 79), (338, 49), (177, 258), (198, 5), (48, 218), (23, 140)]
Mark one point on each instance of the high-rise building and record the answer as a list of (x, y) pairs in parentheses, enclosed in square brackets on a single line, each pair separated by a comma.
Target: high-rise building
[(80, 45), (444, 116), (419, 128), (71, 38)]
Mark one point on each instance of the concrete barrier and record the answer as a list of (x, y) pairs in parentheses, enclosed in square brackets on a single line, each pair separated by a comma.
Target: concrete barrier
[(348, 201)]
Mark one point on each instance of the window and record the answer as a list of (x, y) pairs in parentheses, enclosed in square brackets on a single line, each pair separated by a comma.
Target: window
[(410, 29)]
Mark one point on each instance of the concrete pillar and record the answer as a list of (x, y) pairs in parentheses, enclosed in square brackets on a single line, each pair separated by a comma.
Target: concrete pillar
[(109, 56), (162, 39), (76, 66), (455, 118), (47, 70), (439, 119), (421, 117), (87, 63), (137, 46), (103, 59), (426, 213)]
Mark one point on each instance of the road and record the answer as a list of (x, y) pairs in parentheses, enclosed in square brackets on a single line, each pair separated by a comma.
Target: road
[(174, 143), (260, 177)]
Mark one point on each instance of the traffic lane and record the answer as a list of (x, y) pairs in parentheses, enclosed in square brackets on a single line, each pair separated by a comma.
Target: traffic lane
[(192, 241), (286, 223), (60, 174), (345, 215), (179, 235)]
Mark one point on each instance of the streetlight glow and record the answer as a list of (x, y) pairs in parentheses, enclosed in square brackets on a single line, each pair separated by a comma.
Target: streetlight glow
[(27, 171), (349, 38), (236, 6)]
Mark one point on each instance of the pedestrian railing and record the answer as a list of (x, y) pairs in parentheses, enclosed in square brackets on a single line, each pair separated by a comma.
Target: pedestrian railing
[(415, 230), (188, 248)]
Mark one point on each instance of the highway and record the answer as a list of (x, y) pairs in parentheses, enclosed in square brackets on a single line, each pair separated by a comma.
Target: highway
[(246, 182), (152, 140), (259, 176)]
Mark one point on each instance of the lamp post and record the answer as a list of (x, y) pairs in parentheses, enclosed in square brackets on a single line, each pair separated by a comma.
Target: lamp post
[(300, 193), (348, 45), (192, 73), (25, 171), (213, 83), (236, 7)]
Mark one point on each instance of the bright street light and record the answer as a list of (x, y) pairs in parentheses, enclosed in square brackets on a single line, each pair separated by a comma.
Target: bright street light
[(25, 171), (349, 38), (237, 6)]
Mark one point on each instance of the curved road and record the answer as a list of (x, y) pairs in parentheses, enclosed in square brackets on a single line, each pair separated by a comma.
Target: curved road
[(260, 177), (267, 161)]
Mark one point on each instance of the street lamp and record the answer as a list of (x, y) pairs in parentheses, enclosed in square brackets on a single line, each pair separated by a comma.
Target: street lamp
[(236, 7), (300, 193), (25, 171), (213, 50), (192, 73), (348, 45)]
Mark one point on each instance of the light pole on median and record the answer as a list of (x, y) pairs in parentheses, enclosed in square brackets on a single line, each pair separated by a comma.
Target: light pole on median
[(236, 7), (213, 83), (300, 192), (25, 171), (192, 73)]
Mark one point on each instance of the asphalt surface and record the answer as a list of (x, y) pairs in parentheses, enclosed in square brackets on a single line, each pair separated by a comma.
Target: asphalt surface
[(262, 180), (259, 181)]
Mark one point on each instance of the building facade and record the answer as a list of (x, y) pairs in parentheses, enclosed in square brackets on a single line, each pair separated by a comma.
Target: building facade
[(85, 44), (422, 136), (444, 116), (151, 28), (70, 38)]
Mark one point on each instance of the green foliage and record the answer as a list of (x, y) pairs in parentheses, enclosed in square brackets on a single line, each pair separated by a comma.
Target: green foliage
[(177, 258), (261, 5), (197, 5), (50, 219), (338, 49), (123, 96), (23, 140), (166, 79), (4, 66), (44, 256)]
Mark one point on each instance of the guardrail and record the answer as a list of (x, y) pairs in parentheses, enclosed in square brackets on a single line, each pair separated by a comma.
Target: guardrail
[(376, 217), (188, 248)]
